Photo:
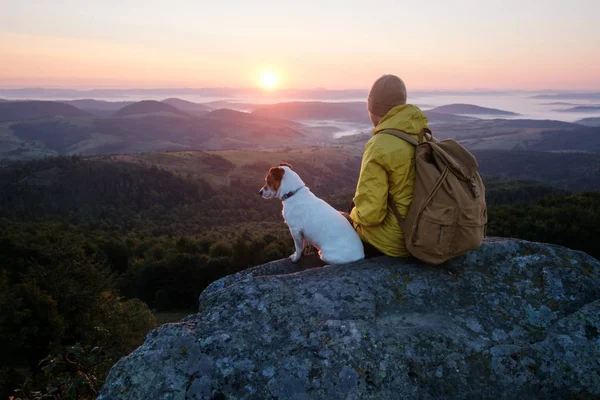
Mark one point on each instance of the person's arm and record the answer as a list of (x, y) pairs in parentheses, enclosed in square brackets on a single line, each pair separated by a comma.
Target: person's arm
[(370, 199)]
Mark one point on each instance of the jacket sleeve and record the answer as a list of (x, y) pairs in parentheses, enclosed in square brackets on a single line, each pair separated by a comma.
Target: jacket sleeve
[(370, 199)]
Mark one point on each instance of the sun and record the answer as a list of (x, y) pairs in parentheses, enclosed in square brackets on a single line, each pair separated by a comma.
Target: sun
[(269, 79)]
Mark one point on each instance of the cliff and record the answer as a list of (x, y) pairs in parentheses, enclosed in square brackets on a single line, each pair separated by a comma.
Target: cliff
[(513, 319)]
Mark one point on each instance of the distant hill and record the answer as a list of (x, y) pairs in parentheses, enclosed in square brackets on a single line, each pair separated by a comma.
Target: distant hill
[(522, 124), (508, 134), (233, 105), (560, 103), (569, 171), (188, 106), (113, 187), (341, 164), (98, 107), (509, 191), (470, 109), (569, 96), (355, 112), (30, 110), (159, 131), (225, 114), (590, 121), (581, 109), (435, 117), (246, 127), (97, 187), (148, 107), (565, 171), (511, 134), (157, 126), (316, 110), (204, 189)]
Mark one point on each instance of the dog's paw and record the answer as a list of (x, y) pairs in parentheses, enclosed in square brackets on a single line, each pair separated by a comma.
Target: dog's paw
[(295, 257)]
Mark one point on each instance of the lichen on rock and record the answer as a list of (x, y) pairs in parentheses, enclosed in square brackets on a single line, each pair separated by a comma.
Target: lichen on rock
[(513, 319)]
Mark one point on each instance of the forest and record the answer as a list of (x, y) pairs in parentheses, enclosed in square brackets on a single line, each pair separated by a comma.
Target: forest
[(93, 253)]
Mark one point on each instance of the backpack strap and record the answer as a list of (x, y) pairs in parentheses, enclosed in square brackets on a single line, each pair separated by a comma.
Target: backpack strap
[(410, 139), (424, 136), (402, 135), (401, 221)]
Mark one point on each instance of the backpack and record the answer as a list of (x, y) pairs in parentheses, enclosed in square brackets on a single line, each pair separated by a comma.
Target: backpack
[(448, 213)]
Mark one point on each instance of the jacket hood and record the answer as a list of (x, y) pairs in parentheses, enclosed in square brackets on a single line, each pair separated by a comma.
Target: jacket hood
[(406, 117)]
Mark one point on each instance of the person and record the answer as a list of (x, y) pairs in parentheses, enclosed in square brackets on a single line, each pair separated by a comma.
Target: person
[(387, 169)]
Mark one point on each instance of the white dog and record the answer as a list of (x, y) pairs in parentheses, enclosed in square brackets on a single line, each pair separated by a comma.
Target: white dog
[(312, 220)]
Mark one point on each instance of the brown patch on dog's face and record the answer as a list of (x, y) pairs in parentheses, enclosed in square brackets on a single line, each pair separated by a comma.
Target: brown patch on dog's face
[(274, 178), (272, 182)]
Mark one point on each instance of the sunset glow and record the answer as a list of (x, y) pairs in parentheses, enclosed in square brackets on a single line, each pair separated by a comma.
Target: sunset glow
[(548, 44), (269, 79)]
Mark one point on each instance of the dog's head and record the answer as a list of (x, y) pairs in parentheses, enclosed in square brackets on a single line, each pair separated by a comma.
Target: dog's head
[(273, 181)]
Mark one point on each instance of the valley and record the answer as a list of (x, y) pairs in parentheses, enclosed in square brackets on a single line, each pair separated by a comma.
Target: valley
[(37, 129), (114, 216)]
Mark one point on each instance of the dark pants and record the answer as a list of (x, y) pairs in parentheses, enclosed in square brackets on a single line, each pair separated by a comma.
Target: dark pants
[(371, 251)]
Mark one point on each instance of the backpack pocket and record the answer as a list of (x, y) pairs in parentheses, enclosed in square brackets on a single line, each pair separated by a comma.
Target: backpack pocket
[(435, 230), (470, 228)]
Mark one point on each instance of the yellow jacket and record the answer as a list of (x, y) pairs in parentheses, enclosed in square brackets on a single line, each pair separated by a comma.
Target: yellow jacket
[(387, 170)]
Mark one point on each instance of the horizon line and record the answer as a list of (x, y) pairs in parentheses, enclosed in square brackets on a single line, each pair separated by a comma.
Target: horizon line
[(275, 91)]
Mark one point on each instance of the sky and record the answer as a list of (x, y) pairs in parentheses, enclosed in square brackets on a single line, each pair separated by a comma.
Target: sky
[(430, 44)]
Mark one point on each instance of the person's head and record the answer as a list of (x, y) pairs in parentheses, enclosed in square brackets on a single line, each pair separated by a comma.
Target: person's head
[(386, 93)]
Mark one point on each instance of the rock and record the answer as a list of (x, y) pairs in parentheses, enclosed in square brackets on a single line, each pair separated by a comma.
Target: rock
[(511, 320)]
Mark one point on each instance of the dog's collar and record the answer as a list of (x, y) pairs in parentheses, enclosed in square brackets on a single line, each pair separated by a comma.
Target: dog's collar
[(291, 193)]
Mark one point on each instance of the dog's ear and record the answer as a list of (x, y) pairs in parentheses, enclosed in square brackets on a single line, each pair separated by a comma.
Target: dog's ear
[(277, 173), (284, 164)]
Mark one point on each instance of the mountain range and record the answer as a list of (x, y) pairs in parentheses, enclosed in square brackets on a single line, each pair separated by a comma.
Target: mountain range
[(355, 112), (99, 108), (148, 107), (511, 134), (590, 121), (30, 110), (189, 106), (315, 110), (33, 129), (144, 126), (586, 109), (472, 109), (569, 96)]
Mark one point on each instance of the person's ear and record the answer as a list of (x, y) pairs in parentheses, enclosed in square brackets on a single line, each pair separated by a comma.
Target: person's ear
[(374, 118)]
